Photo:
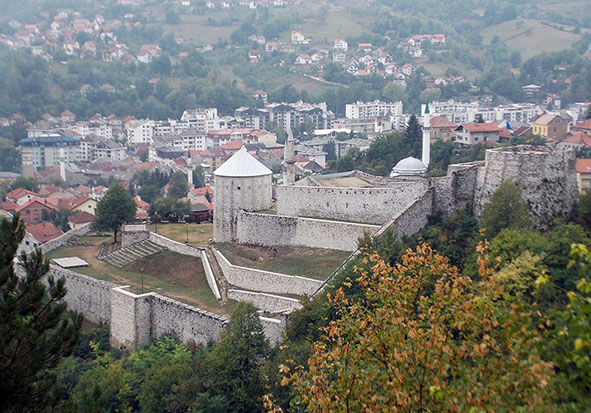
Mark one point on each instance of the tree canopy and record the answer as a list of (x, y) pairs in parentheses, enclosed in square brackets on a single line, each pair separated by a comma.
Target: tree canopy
[(35, 330), (506, 209), (116, 208), (423, 337)]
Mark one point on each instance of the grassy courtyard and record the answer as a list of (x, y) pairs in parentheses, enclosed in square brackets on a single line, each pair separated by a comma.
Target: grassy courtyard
[(177, 276), (306, 262), (199, 234)]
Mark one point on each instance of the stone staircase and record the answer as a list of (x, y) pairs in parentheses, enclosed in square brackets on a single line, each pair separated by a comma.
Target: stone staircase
[(124, 256)]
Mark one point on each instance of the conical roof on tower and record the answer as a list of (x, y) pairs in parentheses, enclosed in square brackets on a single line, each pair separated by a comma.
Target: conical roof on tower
[(242, 164)]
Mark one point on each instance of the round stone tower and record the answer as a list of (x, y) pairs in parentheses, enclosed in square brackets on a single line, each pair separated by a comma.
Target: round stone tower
[(241, 184)]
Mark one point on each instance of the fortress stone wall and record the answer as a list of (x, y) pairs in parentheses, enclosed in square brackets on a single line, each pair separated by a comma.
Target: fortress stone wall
[(546, 177), (62, 239), (265, 281), (271, 230), (265, 302), (364, 205), (412, 218)]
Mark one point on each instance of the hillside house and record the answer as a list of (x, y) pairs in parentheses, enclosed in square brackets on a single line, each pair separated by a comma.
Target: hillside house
[(550, 126), (297, 37), (442, 129), (477, 133), (340, 44), (302, 59)]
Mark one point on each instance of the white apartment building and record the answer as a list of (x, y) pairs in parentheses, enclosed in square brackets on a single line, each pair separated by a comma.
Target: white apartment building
[(460, 112), (94, 147), (518, 112), (372, 110), (140, 131), (202, 119)]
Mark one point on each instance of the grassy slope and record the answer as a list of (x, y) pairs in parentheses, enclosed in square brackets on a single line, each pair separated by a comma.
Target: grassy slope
[(531, 37), (306, 262), (178, 276)]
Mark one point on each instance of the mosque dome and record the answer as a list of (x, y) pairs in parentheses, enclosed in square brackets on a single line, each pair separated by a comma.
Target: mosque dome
[(409, 167), (242, 164)]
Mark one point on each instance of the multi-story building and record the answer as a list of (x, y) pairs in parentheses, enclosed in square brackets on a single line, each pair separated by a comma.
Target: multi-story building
[(203, 119), (288, 115), (252, 117), (518, 113), (550, 126), (461, 112), (217, 138), (372, 110), (95, 147), (139, 131), (45, 152)]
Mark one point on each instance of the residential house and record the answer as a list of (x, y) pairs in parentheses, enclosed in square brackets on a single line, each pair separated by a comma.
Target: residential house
[(477, 133), (32, 211), (408, 69), (79, 218), (577, 140), (583, 168), (339, 57), (254, 56), (584, 127), (531, 89), (340, 44), (297, 37), (303, 59), (442, 129), (550, 126), (365, 47), (42, 232), (20, 196)]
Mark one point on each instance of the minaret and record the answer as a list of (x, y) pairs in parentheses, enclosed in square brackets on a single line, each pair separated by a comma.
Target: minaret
[(426, 136), (289, 161)]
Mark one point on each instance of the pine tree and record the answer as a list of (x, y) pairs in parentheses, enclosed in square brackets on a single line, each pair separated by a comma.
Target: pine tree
[(413, 137), (35, 330)]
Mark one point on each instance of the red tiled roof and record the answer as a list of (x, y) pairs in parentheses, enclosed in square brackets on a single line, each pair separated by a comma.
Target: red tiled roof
[(19, 193), (233, 145), (44, 231), (583, 125), (32, 201), (8, 206), (583, 166), (579, 138), (81, 217), (441, 122), (481, 127), (141, 204), (145, 165)]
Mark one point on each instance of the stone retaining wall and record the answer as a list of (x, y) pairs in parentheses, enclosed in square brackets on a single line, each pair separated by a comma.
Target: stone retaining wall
[(265, 302), (265, 281), (271, 230), (62, 239)]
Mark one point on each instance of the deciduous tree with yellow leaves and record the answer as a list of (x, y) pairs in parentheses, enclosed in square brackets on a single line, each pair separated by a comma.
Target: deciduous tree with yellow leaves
[(423, 337)]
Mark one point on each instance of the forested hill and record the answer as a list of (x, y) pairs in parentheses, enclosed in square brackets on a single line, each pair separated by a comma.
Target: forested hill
[(53, 62)]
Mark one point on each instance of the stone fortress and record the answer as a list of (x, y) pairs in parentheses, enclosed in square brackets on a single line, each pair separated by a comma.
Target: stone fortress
[(325, 211)]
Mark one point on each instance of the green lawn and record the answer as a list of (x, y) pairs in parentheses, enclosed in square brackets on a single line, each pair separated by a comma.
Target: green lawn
[(195, 28), (199, 234), (306, 262), (174, 275)]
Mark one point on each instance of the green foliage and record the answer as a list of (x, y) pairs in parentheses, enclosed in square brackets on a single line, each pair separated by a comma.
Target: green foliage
[(35, 331), (198, 177), (170, 208), (172, 17), (58, 218), (30, 184), (177, 186), (584, 209), (9, 156), (506, 209), (148, 193), (116, 208)]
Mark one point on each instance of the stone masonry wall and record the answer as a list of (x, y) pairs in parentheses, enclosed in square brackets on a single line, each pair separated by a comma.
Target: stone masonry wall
[(130, 234), (265, 302), (365, 205), (265, 281), (186, 322), (185, 249), (271, 230), (59, 241), (412, 218), (456, 190), (546, 177), (86, 295)]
